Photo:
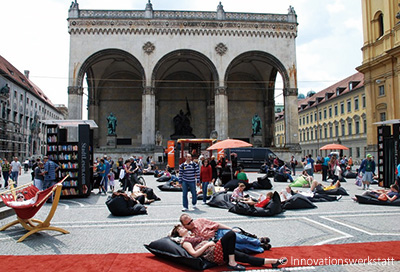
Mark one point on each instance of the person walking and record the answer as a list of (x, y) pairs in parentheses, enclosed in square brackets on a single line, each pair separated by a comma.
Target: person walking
[(325, 166), (50, 169), (188, 175), (367, 168), (39, 173), (205, 178), (15, 170), (6, 169), (293, 163), (310, 161)]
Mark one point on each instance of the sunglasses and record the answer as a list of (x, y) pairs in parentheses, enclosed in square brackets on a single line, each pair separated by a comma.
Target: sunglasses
[(20, 197), (190, 222)]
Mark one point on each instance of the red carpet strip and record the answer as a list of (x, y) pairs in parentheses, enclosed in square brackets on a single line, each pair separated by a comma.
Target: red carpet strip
[(367, 253)]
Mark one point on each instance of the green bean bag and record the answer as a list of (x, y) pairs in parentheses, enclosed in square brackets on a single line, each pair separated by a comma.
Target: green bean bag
[(299, 182)]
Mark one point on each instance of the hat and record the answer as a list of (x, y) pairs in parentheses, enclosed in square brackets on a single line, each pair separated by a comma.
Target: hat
[(369, 156), (45, 157)]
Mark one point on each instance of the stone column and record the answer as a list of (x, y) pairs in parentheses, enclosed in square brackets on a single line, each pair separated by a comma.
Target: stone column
[(221, 112), (94, 115), (269, 123), (75, 94), (291, 118), (148, 116)]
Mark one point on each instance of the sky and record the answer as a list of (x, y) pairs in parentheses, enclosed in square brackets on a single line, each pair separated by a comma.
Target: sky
[(34, 36)]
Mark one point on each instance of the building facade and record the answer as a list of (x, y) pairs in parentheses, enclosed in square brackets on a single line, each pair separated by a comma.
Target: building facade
[(337, 114), (381, 64), (24, 106), (151, 67)]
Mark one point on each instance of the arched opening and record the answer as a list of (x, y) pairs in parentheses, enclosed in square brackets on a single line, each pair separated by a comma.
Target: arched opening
[(251, 80), (185, 80), (114, 80)]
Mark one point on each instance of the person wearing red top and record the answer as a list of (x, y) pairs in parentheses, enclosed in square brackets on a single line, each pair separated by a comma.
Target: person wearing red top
[(260, 203), (205, 178)]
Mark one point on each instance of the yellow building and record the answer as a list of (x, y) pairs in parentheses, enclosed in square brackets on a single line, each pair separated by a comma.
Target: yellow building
[(381, 63), (336, 114)]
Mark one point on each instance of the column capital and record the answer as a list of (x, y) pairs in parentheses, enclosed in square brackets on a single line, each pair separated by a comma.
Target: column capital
[(290, 91), (148, 90), (221, 90), (75, 90)]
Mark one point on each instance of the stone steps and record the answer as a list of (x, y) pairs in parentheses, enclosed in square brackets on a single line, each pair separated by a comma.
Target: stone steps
[(5, 211)]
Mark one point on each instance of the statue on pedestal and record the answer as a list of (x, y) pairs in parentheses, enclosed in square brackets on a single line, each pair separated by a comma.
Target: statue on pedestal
[(256, 125), (112, 124)]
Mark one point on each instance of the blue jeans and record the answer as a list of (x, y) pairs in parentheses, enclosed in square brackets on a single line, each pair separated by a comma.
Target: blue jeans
[(204, 188), (243, 243), (6, 176), (14, 177), (38, 183), (186, 186), (48, 184)]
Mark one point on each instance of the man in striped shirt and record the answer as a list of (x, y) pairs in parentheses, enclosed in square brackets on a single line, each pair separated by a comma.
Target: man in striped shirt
[(189, 174)]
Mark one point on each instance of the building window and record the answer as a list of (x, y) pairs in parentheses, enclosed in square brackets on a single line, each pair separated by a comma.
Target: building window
[(365, 126), (383, 116), (342, 108), (337, 131), (330, 112), (320, 115), (349, 125), (326, 132), (299, 121), (356, 103), (348, 105), (381, 90), (315, 116), (320, 133), (304, 120), (324, 113), (357, 127), (304, 136), (312, 135), (316, 134), (330, 132), (380, 25), (308, 135), (343, 131), (311, 118), (307, 119), (358, 154), (336, 110), (350, 151)]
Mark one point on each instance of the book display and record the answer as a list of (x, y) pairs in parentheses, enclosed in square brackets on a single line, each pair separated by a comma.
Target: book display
[(73, 157)]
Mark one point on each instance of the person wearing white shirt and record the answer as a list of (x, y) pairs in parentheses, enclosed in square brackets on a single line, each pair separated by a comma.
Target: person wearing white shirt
[(15, 170)]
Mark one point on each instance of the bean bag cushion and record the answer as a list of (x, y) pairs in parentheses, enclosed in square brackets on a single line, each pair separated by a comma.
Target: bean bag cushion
[(279, 178), (298, 201), (221, 200), (262, 183), (374, 201), (163, 179), (234, 183), (273, 208), (336, 191), (299, 182), (348, 174), (169, 187), (150, 194), (168, 249), (118, 206), (200, 197), (149, 173)]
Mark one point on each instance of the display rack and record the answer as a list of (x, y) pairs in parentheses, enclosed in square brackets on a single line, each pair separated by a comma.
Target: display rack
[(73, 157)]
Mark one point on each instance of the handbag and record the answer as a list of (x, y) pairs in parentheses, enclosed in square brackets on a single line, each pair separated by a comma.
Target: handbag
[(308, 166), (382, 197), (359, 180)]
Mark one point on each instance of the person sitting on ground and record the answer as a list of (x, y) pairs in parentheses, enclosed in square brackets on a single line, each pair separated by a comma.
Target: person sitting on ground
[(242, 176), (262, 201), (304, 180), (208, 229), (220, 252), (238, 194), (286, 194), (284, 171), (390, 195)]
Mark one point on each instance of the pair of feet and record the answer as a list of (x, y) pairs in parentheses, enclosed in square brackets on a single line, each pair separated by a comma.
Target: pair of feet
[(186, 209)]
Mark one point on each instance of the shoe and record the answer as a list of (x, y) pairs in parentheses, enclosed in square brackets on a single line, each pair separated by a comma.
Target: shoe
[(339, 197), (203, 203), (281, 261), (265, 240), (237, 267), (185, 210), (195, 208), (266, 246)]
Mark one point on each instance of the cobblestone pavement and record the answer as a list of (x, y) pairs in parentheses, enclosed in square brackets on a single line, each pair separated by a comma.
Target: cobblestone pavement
[(92, 228)]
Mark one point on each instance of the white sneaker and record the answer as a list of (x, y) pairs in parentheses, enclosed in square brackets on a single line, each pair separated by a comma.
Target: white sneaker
[(184, 210), (203, 203), (194, 207)]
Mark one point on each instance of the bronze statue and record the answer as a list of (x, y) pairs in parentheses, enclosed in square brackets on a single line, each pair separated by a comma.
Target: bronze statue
[(112, 124), (256, 125)]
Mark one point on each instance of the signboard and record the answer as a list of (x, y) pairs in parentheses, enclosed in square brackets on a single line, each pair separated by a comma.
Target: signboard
[(171, 153), (220, 154)]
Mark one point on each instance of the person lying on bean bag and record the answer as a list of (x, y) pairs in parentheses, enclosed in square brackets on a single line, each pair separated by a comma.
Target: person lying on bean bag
[(120, 204), (304, 180)]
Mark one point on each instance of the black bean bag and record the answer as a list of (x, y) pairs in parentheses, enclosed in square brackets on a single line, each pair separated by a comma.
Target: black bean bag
[(349, 174), (374, 201), (150, 194), (262, 183), (298, 201), (337, 191), (169, 250), (200, 197), (221, 200), (280, 178), (149, 173), (322, 198), (163, 179), (234, 183), (273, 208), (118, 206), (169, 187)]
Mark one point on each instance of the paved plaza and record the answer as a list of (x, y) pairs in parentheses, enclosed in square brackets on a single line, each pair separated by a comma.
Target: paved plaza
[(93, 230)]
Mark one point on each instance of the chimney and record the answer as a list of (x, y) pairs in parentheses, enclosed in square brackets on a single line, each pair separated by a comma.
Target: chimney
[(26, 72)]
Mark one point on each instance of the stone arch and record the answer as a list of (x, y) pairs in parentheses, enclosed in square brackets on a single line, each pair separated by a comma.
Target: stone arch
[(185, 80), (115, 80), (250, 80)]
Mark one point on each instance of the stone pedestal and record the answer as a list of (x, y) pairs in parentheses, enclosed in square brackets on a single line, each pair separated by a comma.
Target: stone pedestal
[(111, 140), (256, 141)]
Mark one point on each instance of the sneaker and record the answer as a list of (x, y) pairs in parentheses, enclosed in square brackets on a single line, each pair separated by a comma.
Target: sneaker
[(203, 203), (194, 207), (339, 197), (184, 209)]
